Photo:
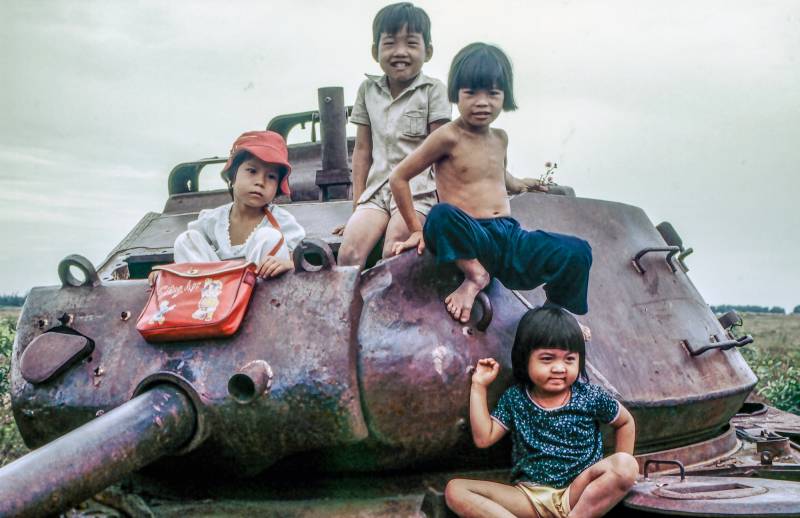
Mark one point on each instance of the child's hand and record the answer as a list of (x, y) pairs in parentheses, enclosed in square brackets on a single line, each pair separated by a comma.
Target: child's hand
[(533, 185), (338, 230), (151, 278), (515, 185), (485, 371), (272, 267), (415, 240)]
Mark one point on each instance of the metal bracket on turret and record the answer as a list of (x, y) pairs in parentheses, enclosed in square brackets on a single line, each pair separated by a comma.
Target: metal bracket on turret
[(671, 249), (315, 249), (724, 346), (83, 265)]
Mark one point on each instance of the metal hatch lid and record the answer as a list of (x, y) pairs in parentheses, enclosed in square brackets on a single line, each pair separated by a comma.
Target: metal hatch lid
[(715, 496)]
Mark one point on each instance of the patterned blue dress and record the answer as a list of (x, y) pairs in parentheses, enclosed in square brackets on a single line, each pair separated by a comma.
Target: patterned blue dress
[(552, 446)]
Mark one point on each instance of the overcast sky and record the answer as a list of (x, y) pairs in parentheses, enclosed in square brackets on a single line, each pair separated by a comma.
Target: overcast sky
[(690, 110)]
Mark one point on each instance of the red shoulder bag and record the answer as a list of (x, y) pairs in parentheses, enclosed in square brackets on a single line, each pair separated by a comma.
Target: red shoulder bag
[(200, 300), (197, 300)]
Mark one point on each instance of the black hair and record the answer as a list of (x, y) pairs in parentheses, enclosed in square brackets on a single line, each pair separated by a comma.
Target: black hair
[(547, 327), (392, 18), (241, 157), (480, 66)]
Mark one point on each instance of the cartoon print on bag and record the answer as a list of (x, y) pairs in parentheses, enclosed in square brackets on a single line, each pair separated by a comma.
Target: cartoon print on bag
[(163, 308), (209, 300)]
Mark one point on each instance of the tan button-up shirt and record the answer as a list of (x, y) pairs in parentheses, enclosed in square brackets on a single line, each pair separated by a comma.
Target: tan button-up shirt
[(398, 125)]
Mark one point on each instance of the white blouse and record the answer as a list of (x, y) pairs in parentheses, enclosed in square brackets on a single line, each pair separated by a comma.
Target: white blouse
[(214, 224)]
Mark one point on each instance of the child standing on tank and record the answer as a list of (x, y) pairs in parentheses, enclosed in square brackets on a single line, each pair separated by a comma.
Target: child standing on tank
[(553, 415), (251, 226), (472, 225), (394, 113)]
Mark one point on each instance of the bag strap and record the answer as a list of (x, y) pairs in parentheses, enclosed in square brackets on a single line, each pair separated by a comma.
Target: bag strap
[(276, 226)]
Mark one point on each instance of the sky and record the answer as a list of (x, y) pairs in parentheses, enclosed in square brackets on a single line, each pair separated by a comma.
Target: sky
[(689, 110)]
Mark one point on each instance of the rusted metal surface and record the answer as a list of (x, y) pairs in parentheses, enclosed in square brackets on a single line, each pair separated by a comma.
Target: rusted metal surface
[(662, 462), (81, 264), (77, 465), (733, 484), (640, 321), (251, 382), (51, 353), (414, 362), (698, 349), (334, 177), (333, 118), (671, 251), (313, 401), (710, 450), (784, 423), (709, 490), (311, 329), (783, 471), (776, 446), (716, 496)]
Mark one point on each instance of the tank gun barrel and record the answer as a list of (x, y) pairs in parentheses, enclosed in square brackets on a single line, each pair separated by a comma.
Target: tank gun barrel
[(86, 460)]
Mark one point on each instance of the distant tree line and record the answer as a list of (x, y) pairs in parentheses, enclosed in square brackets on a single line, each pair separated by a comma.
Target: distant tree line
[(12, 299), (724, 308)]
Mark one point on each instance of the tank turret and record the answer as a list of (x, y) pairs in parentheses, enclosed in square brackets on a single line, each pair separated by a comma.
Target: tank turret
[(337, 370)]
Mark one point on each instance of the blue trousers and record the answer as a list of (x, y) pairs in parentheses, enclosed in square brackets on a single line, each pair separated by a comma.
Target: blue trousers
[(519, 258)]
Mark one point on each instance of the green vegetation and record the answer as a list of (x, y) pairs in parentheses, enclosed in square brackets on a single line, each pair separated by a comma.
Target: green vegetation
[(7, 331), (775, 358), (12, 299), (11, 445), (724, 308)]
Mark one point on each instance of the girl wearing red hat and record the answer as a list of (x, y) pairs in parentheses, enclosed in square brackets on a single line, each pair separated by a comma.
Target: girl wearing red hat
[(250, 226)]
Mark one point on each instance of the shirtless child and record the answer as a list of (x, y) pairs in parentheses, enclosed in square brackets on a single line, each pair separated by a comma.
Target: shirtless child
[(472, 225)]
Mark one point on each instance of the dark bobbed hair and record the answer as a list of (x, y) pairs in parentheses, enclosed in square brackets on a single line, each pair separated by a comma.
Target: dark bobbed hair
[(392, 18), (241, 157), (546, 327), (480, 66)]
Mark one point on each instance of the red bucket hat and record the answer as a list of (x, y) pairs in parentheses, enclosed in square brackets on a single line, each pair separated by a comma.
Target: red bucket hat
[(267, 146)]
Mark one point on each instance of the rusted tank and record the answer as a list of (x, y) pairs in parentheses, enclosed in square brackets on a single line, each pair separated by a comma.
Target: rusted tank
[(339, 374)]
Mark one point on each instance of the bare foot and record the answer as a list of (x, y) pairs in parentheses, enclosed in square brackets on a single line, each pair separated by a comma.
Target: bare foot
[(459, 303)]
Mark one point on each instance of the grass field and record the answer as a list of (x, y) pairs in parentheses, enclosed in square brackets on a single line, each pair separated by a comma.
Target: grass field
[(774, 334), (775, 358), (7, 313)]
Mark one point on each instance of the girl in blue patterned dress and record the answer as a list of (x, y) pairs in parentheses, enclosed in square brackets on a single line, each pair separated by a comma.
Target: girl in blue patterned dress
[(553, 416)]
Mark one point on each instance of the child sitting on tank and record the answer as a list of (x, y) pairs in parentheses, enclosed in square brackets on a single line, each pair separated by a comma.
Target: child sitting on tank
[(553, 415), (472, 225), (394, 113), (251, 226)]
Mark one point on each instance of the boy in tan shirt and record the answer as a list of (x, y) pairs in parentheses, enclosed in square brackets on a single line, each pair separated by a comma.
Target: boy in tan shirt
[(394, 113)]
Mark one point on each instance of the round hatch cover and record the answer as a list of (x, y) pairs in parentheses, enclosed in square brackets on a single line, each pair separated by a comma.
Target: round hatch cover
[(716, 496)]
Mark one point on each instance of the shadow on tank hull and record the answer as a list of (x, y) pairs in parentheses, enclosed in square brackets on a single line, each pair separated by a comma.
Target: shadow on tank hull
[(367, 372)]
